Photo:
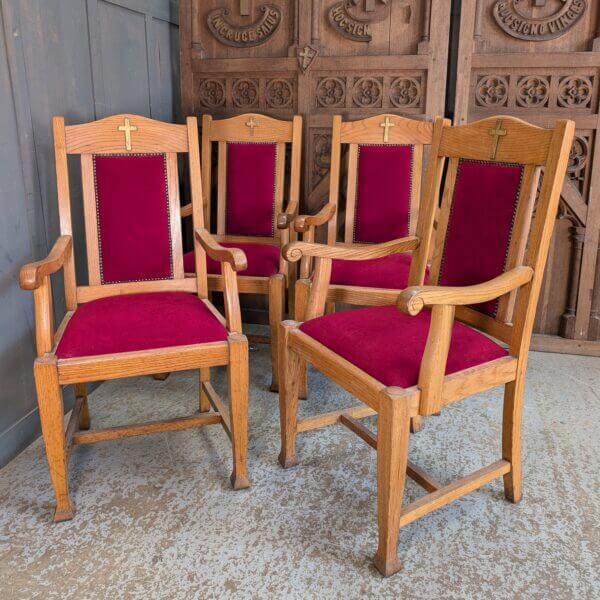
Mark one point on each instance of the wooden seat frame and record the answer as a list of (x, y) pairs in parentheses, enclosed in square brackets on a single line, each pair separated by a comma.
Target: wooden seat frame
[(51, 372), (518, 288), (252, 127), (372, 130)]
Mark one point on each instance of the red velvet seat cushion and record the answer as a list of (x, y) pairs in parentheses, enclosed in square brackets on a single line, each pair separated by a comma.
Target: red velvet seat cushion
[(263, 260), (139, 322), (387, 272), (389, 345)]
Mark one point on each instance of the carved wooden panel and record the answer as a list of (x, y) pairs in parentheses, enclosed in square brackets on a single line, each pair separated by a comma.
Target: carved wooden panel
[(316, 58), (518, 57)]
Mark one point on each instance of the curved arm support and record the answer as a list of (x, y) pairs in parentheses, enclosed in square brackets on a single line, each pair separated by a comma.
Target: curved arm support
[(233, 256), (295, 251), (413, 299), (303, 223), (33, 274)]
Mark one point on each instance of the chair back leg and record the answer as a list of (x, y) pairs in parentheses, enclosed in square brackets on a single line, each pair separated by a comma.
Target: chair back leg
[(512, 417), (276, 308), (204, 400)]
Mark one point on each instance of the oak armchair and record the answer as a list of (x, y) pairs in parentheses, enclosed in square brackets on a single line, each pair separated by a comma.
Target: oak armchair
[(138, 315), (466, 332), (250, 204), (383, 189)]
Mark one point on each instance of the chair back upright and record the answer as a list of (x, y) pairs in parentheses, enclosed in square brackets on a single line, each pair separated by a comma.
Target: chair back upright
[(251, 166), (130, 182)]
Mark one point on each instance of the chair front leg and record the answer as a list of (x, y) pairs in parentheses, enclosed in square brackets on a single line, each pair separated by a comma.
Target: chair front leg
[(290, 369), (276, 308), (393, 432), (511, 437), (50, 402), (238, 408), (204, 401), (84, 415)]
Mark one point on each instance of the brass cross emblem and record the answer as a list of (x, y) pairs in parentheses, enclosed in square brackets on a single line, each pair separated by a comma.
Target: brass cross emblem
[(496, 133), (252, 124), (127, 129), (386, 125)]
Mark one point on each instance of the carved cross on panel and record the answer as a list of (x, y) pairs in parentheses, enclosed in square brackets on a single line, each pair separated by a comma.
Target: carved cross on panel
[(127, 129), (244, 8), (252, 124), (496, 133), (386, 126)]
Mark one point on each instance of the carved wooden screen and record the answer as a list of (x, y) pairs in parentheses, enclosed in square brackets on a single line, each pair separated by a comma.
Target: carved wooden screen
[(540, 60), (316, 58)]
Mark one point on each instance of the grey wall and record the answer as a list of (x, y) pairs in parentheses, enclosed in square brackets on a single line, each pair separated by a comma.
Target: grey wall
[(84, 59)]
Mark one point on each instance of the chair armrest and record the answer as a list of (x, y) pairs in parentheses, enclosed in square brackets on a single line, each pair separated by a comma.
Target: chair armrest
[(303, 222), (234, 256), (296, 250), (32, 274), (285, 219), (186, 211), (413, 299)]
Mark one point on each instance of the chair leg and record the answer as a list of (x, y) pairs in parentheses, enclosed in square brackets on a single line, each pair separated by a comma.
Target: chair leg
[(392, 457), (290, 367), (204, 401), (329, 308), (238, 408), (51, 408), (416, 424), (511, 438), (84, 415), (276, 305), (302, 291)]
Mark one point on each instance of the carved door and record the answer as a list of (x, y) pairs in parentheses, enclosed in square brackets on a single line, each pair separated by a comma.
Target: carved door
[(539, 60), (316, 58)]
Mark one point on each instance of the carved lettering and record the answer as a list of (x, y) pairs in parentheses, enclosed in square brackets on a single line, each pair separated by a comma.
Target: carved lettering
[(244, 36), (348, 26), (511, 18)]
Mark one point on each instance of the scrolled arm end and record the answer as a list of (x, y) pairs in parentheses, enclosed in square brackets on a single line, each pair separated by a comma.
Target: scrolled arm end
[(32, 274), (303, 223), (234, 256), (293, 252), (410, 302)]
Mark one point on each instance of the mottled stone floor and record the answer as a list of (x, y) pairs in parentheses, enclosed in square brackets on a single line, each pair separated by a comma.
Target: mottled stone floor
[(156, 517)]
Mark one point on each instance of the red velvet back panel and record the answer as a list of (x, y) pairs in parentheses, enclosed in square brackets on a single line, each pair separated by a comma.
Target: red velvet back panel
[(480, 227), (383, 191), (132, 209), (250, 188)]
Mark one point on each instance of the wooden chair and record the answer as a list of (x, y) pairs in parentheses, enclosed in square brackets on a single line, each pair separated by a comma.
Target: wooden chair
[(485, 279), (250, 200), (385, 163), (138, 315)]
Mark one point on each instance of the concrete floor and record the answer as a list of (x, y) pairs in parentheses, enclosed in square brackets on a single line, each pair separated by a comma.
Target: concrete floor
[(156, 517)]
